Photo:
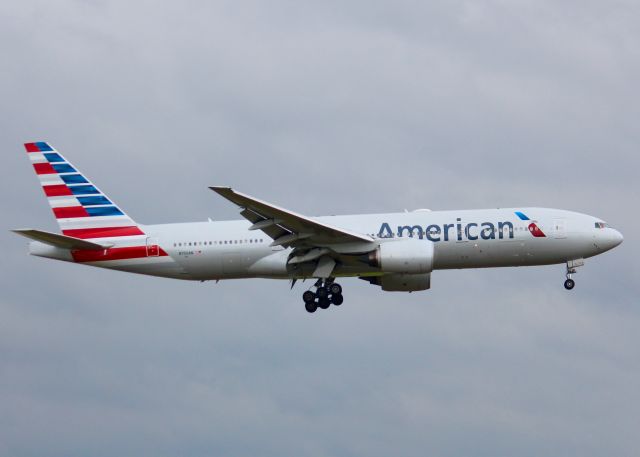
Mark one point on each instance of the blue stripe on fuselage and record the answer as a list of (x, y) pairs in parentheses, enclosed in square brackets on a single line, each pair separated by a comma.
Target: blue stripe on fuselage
[(63, 168), (53, 157), (74, 179), (43, 146), (104, 211), (95, 200), (83, 190)]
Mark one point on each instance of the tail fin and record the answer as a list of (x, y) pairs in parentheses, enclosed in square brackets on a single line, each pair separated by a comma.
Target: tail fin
[(81, 209)]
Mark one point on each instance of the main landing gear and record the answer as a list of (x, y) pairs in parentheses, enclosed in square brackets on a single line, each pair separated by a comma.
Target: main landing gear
[(327, 293), (571, 270)]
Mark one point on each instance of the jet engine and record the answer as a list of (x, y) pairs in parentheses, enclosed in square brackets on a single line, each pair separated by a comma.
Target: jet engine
[(405, 256), (398, 282), (407, 264)]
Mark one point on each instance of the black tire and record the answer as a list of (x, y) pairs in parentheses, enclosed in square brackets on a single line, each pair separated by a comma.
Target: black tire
[(308, 297), (311, 307), (322, 292), (335, 289), (323, 303), (569, 284), (337, 299)]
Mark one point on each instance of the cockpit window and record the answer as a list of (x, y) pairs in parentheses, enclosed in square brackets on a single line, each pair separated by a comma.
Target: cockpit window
[(601, 225)]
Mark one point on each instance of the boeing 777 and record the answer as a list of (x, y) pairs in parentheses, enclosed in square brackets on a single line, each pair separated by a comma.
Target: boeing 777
[(396, 251)]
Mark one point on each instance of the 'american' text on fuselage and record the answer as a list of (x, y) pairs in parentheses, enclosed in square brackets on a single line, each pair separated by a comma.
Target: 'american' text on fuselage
[(434, 232)]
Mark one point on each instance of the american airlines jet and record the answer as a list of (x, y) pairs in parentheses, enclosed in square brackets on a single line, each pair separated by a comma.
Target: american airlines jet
[(396, 251)]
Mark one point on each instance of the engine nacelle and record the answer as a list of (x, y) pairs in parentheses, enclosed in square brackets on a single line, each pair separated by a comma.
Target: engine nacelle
[(408, 256), (399, 282)]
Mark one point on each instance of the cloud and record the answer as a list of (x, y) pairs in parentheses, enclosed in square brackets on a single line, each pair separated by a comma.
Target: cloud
[(359, 107)]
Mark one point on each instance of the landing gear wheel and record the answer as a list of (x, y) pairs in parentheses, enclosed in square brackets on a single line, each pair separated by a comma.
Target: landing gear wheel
[(323, 303), (311, 307), (571, 270), (335, 289), (322, 292), (308, 297), (337, 299)]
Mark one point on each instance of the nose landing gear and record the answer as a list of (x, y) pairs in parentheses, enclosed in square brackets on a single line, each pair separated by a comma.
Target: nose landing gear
[(571, 270), (327, 292)]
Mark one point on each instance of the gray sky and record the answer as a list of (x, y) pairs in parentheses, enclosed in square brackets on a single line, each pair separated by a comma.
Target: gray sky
[(323, 108)]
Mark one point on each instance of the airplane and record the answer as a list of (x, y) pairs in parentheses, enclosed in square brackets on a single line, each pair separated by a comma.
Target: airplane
[(395, 251)]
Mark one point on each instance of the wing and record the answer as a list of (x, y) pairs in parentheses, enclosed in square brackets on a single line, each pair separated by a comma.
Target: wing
[(287, 228)]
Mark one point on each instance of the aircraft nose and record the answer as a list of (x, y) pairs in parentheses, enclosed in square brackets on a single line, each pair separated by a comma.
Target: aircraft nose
[(617, 237), (610, 239)]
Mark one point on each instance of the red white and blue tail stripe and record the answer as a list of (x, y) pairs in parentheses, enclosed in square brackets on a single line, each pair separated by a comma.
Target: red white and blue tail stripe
[(84, 212), (81, 209)]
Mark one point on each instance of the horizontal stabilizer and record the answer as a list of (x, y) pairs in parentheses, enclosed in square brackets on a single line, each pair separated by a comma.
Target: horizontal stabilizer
[(61, 241)]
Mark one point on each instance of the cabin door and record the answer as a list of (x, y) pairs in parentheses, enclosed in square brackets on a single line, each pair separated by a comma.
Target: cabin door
[(560, 228)]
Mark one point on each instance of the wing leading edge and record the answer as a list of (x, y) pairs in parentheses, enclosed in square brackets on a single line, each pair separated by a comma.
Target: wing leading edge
[(288, 228)]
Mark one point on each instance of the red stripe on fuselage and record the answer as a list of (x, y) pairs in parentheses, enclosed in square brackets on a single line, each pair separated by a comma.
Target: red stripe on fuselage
[(70, 211), (44, 168), (31, 147), (103, 232), (57, 190), (130, 252)]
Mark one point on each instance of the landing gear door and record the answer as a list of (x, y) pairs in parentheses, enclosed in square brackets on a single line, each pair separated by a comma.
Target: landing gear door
[(560, 228), (153, 250)]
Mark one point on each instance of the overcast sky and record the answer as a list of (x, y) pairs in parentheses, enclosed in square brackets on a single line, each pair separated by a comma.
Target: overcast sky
[(325, 108)]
